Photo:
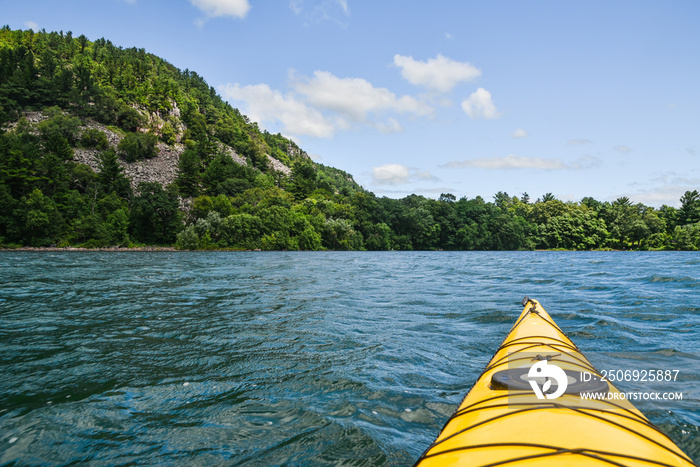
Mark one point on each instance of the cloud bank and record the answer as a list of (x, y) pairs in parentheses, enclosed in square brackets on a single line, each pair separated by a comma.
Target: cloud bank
[(354, 98), (513, 161), (322, 104)]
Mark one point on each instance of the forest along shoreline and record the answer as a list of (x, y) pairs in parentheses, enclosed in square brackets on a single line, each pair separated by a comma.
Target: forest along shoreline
[(106, 148), (232, 250), (74, 248)]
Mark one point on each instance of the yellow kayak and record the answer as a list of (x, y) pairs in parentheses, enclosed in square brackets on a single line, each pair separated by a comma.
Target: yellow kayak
[(540, 402)]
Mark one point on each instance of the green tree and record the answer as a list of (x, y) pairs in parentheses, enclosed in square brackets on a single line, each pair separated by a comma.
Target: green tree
[(7, 207), (42, 221), (59, 124), (187, 239), (220, 169), (620, 218), (303, 180), (577, 230), (377, 237), (687, 237), (542, 211), (508, 233), (242, 231), (189, 173), (59, 146), (338, 234), (689, 213), (309, 239), (111, 178), (93, 138), (137, 146), (155, 215), (502, 200), (129, 119), (547, 197), (167, 134)]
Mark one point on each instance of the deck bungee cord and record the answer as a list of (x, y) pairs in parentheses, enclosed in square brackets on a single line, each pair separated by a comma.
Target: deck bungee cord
[(507, 419)]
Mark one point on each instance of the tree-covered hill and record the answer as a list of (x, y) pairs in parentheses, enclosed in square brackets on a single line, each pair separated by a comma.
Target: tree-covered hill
[(105, 146)]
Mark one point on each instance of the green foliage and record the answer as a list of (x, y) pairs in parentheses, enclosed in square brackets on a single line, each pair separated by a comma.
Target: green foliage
[(111, 177), (336, 181), (129, 119), (303, 180), (155, 215), (60, 125), (189, 173), (187, 239), (93, 138), (689, 213), (48, 199), (687, 237), (57, 145), (136, 146), (578, 230), (42, 221), (167, 134), (338, 234)]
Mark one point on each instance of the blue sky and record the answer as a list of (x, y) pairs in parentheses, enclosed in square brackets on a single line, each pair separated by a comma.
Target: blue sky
[(575, 98)]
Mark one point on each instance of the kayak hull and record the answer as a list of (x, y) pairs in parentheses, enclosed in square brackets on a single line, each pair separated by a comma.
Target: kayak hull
[(501, 421)]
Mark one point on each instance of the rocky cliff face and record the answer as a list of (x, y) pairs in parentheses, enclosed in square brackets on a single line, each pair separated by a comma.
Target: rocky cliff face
[(161, 169)]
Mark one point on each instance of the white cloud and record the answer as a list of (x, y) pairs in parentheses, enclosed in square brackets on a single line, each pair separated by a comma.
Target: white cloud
[(480, 105), (323, 104), (216, 8), (32, 25), (513, 161), (667, 188), (391, 174), (265, 104), (519, 133), (623, 149), (399, 174), (325, 10), (439, 74), (425, 176), (355, 98)]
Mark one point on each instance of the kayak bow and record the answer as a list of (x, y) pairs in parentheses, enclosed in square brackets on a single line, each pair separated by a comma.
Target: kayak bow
[(502, 421)]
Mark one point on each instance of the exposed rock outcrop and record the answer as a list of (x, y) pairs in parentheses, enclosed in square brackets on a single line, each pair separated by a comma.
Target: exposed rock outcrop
[(277, 165), (161, 168)]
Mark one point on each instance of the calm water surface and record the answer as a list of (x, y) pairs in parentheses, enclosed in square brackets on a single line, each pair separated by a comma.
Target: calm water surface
[(307, 358)]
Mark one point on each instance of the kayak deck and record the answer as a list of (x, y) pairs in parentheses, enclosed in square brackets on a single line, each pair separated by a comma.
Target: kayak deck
[(501, 421)]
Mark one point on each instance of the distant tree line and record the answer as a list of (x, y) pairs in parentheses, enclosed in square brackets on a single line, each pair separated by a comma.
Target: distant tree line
[(48, 199), (272, 219)]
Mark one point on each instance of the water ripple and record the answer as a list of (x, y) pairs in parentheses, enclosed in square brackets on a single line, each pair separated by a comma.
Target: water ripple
[(320, 358)]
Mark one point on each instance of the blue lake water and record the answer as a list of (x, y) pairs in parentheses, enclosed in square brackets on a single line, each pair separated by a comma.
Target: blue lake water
[(308, 358)]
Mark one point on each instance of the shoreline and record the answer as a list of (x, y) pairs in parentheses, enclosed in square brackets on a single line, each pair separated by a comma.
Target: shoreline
[(75, 248), (173, 249)]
